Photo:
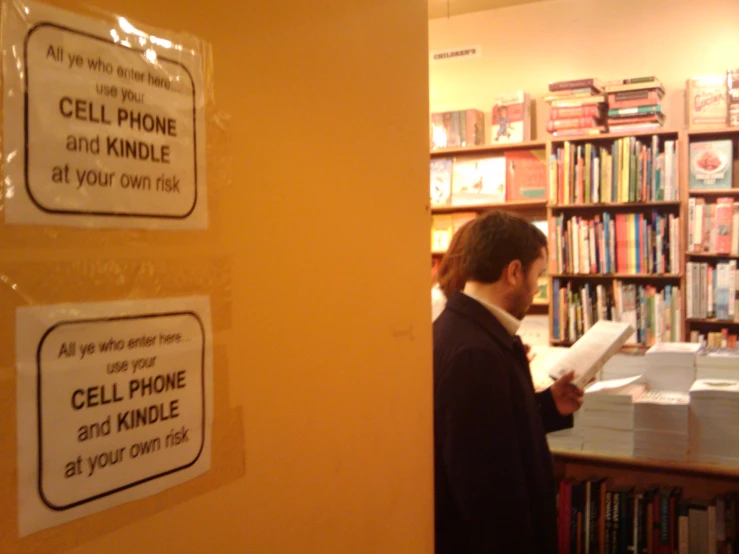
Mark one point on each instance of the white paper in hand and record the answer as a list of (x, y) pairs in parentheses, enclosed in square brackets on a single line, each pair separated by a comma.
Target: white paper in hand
[(592, 351)]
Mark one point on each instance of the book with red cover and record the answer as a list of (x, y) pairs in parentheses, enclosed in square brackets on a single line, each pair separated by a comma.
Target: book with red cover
[(572, 123), (526, 175), (592, 110), (724, 216)]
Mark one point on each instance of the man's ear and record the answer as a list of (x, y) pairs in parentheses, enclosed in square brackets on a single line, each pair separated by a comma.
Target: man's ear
[(514, 272)]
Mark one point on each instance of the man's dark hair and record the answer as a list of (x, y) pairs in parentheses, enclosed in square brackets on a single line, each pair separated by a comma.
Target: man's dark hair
[(495, 240)]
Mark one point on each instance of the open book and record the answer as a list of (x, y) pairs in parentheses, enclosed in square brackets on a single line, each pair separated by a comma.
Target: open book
[(588, 355)]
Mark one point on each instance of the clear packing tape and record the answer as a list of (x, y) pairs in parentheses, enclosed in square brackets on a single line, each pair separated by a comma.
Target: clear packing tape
[(113, 153), (88, 94), (105, 123)]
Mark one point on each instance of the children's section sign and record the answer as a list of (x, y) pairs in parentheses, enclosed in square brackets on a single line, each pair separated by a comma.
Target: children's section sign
[(114, 403), (104, 125)]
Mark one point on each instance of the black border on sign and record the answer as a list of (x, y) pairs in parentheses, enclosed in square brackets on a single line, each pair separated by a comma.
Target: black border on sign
[(25, 130), (38, 406)]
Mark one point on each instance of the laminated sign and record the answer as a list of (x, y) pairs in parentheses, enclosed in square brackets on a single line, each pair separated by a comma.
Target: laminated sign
[(103, 122), (114, 404)]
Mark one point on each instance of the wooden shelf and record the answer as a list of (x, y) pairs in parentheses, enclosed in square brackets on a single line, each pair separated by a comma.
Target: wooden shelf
[(708, 133), (526, 205), (488, 149), (713, 192), (615, 205), (711, 255), (641, 463), (647, 276), (615, 136), (712, 321)]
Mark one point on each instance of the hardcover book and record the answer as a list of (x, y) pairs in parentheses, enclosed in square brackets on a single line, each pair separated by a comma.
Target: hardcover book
[(457, 129), (511, 118), (588, 355), (706, 102), (526, 175), (441, 182), (711, 164), (478, 181)]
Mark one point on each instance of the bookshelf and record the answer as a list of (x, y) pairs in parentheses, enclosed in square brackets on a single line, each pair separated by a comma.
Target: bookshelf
[(702, 262), (555, 208), (614, 206), (601, 187), (486, 149), (459, 212), (660, 465), (695, 478), (538, 206)]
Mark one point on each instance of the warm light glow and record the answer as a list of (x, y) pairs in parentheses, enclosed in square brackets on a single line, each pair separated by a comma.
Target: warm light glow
[(128, 28), (438, 136), (164, 43)]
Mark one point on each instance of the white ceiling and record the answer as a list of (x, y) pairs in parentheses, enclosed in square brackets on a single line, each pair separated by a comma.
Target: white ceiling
[(444, 8)]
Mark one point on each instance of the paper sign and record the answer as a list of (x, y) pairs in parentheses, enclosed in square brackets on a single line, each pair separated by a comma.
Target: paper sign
[(114, 404), (456, 53), (104, 127)]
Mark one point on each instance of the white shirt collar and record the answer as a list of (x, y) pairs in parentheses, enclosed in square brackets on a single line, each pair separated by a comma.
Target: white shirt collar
[(510, 323)]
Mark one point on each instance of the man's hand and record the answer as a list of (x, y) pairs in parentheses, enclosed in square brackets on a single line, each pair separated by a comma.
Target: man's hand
[(530, 355), (567, 397)]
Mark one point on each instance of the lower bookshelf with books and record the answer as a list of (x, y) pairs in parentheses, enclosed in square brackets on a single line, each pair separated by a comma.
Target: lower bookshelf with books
[(613, 505)]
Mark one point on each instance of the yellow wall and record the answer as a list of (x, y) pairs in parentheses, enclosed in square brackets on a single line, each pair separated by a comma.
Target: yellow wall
[(526, 47), (317, 263)]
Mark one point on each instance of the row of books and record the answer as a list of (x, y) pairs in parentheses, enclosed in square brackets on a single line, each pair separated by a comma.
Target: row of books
[(655, 313), (590, 107), (635, 105), (457, 129), (598, 517), (520, 175), (577, 107), (626, 243), (712, 290), (511, 123), (716, 339), (630, 170), (713, 228)]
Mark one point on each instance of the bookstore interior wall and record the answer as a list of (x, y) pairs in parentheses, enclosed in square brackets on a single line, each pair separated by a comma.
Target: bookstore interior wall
[(526, 47), (322, 352)]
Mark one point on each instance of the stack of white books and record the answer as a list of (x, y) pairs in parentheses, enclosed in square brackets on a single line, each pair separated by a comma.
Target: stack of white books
[(720, 363), (714, 422), (671, 366), (661, 425), (608, 416), (623, 365)]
